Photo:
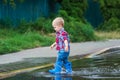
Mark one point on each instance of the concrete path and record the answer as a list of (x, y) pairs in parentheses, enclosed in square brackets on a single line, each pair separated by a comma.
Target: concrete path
[(76, 49)]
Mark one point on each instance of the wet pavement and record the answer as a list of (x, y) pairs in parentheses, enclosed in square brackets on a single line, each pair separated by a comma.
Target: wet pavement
[(100, 67), (11, 63)]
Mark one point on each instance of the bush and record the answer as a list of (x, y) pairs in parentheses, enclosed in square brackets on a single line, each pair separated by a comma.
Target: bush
[(41, 24), (80, 32), (6, 23), (78, 29), (110, 8), (113, 24), (63, 13), (74, 8), (24, 26)]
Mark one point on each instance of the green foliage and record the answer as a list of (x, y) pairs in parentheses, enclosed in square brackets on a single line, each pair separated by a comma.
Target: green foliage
[(6, 23), (74, 8), (80, 32), (78, 29), (41, 24), (72, 11), (111, 12), (110, 8), (63, 13), (12, 41), (113, 24), (24, 26)]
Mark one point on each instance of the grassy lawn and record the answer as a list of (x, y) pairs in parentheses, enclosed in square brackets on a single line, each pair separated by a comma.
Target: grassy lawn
[(108, 35), (12, 41)]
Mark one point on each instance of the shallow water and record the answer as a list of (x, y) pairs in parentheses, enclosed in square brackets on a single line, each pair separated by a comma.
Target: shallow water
[(101, 67)]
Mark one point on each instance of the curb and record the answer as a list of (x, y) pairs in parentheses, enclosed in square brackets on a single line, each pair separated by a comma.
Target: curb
[(100, 52), (13, 73)]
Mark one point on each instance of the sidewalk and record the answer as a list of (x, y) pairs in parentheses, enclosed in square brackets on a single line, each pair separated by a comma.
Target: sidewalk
[(76, 49)]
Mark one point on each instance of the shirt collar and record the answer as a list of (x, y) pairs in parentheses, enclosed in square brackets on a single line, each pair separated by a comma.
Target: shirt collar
[(62, 29)]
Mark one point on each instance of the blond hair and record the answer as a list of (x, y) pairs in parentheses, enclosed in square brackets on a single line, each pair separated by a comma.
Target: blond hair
[(58, 21)]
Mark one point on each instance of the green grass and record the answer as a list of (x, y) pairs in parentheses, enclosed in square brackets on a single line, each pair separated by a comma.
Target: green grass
[(108, 35), (13, 41)]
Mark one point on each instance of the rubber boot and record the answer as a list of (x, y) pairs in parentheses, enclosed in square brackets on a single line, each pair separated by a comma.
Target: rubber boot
[(57, 69), (68, 68)]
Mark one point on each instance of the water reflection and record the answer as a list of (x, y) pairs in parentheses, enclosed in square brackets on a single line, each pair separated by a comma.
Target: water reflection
[(59, 77), (53, 76), (102, 67)]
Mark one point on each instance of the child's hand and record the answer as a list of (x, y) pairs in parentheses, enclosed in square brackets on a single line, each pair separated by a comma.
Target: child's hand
[(66, 49), (52, 46)]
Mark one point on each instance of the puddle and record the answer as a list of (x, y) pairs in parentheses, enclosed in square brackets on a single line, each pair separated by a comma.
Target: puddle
[(101, 67)]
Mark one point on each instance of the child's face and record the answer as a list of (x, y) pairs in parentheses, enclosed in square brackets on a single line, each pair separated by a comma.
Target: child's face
[(57, 27)]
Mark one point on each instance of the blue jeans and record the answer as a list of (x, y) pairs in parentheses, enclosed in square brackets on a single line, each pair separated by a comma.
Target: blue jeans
[(62, 58)]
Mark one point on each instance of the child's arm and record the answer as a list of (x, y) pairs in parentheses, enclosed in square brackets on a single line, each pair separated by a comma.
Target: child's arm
[(53, 45), (66, 45)]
